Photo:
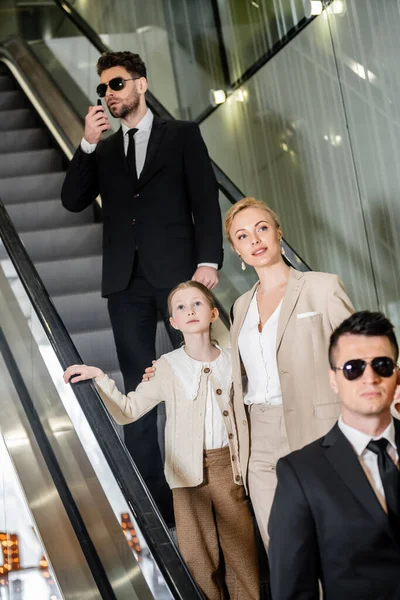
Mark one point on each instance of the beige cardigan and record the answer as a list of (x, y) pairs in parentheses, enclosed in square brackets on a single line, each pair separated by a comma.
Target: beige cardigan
[(181, 383), (310, 406)]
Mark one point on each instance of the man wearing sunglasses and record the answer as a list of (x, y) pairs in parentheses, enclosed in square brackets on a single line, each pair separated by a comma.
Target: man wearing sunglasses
[(161, 226), (335, 520)]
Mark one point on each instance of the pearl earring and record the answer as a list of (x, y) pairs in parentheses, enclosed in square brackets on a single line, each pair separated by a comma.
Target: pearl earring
[(243, 265)]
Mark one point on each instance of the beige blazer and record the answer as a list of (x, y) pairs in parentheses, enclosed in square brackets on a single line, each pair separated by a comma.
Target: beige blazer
[(185, 409), (310, 406)]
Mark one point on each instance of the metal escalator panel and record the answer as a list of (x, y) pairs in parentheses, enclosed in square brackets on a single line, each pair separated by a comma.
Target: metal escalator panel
[(101, 532)]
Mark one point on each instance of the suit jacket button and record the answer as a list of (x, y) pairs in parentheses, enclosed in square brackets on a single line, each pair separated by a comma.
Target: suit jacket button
[(133, 222), (225, 413), (218, 391)]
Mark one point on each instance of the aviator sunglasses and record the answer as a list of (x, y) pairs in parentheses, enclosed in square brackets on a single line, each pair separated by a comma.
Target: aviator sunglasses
[(116, 84), (382, 366)]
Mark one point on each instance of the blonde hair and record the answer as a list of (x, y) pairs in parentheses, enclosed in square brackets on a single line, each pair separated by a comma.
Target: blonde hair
[(242, 205), (191, 284), (201, 288)]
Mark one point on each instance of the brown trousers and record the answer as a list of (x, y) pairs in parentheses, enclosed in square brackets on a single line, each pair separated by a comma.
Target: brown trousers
[(215, 532)]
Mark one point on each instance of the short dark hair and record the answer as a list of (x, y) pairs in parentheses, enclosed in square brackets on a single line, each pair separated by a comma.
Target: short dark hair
[(366, 323), (130, 61)]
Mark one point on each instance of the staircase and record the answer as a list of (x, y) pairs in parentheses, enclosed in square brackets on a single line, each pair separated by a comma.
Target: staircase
[(64, 247)]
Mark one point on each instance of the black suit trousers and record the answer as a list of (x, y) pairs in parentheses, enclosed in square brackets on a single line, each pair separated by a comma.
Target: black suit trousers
[(133, 314)]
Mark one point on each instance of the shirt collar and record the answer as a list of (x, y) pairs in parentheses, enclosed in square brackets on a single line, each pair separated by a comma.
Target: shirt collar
[(360, 440), (144, 124)]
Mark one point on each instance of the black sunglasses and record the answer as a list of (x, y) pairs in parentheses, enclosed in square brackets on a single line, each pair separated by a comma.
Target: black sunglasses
[(353, 369), (116, 84)]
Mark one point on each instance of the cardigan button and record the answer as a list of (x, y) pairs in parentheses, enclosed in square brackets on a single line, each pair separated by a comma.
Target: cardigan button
[(244, 423), (207, 370), (237, 478), (218, 391), (233, 458), (225, 413), (231, 436)]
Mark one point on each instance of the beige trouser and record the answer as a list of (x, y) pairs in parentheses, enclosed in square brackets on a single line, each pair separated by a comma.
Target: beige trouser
[(215, 532), (268, 443)]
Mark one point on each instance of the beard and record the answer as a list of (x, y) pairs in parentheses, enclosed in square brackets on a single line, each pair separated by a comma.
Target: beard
[(123, 110)]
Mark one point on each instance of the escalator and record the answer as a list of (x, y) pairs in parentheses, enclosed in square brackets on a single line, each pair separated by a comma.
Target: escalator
[(81, 488)]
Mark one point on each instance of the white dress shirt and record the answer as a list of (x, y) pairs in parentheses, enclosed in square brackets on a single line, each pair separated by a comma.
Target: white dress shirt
[(141, 139), (368, 459), (258, 354)]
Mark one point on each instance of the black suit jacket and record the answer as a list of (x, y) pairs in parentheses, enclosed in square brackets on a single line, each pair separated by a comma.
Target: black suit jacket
[(326, 523), (171, 215)]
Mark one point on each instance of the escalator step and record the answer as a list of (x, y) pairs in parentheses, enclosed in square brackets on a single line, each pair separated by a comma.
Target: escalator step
[(45, 214), (7, 83), (46, 186), (23, 140), (97, 348), (12, 99), (70, 276), (17, 119), (83, 312), (16, 164), (66, 242)]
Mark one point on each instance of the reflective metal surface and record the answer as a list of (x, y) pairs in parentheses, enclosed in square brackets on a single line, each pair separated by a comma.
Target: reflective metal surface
[(105, 532)]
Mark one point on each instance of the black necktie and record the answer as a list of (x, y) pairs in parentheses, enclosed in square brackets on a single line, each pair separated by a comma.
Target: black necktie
[(131, 154), (390, 476)]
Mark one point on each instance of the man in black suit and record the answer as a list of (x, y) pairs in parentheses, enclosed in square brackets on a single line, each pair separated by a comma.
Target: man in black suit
[(161, 226), (336, 513)]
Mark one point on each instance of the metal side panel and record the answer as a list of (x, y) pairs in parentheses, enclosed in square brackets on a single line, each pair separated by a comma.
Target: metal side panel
[(105, 532)]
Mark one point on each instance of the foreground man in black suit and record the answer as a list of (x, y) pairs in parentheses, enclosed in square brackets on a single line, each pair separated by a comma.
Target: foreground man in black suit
[(335, 517), (161, 226)]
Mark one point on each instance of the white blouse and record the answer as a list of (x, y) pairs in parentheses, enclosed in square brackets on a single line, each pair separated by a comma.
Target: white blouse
[(258, 354)]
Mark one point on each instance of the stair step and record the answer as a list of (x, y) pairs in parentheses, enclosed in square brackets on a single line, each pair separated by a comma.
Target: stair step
[(71, 276), (97, 348), (7, 83), (35, 162), (23, 140), (83, 312), (32, 187), (83, 240), (12, 99), (45, 214), (20, 118)]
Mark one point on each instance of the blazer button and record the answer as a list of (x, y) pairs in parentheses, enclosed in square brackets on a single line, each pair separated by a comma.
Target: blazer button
[(136, 195), (225, 413), (133, 222), (207, 370), (218, 391), (231, 436)]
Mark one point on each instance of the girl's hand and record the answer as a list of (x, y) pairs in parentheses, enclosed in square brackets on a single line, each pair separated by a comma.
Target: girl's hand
[(149, 372), (77, 373)]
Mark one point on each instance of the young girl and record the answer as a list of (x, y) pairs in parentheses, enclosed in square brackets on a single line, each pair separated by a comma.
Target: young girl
[(213, 522)]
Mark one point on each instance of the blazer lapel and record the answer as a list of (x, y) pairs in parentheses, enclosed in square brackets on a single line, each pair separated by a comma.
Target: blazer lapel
[(158, 130), (344, 460), (295, 283)]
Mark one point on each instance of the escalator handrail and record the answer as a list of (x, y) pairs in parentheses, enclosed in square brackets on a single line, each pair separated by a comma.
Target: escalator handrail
[(172, 567), (226, 185)]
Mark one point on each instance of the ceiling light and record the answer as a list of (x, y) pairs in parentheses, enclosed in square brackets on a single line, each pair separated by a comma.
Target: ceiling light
[(217, 97), (312, 8)]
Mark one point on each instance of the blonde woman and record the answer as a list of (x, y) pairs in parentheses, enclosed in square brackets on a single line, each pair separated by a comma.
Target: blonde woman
[(280, 336)]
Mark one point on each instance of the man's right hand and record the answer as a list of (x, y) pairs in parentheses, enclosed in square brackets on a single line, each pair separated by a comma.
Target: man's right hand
[(149, 372), (96, 121)]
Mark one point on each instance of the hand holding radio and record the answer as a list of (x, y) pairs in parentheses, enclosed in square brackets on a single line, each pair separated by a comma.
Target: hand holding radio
[(96, 121)]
